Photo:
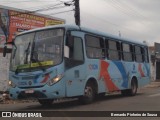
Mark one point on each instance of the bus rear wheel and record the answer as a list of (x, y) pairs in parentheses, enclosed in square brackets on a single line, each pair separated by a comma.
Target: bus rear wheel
[(45, 102), (89, 94), (132, 91)]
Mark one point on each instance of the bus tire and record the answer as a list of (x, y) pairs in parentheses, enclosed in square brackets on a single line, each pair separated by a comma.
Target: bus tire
[(45, 102), (89, 94), (133, 90), (134, 86)]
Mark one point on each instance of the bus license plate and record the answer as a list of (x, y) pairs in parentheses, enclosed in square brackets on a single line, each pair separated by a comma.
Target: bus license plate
[(29, 91)]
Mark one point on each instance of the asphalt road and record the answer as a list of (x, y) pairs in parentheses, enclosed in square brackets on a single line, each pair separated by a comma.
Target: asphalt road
[(147, 99)]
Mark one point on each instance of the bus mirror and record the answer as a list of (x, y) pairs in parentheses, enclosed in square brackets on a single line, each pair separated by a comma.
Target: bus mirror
[(8, 49), (66, 51), (4, 51), (70, 41)]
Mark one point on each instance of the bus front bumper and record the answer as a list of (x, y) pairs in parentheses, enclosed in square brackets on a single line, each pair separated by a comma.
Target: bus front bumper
[(45, 92)]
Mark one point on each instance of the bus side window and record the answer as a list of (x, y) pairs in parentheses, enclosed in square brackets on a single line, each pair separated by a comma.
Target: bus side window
[(114, 50), (106, 47), (127, 52), (95, 47), (76, 56), (145, 54), (138, 53)]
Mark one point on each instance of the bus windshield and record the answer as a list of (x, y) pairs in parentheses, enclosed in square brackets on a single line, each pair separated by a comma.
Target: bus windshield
[(38, 49)]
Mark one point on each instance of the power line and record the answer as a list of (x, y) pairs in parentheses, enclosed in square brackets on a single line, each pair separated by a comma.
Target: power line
[(61, 12), (40, 7), (123, 9), (48, 7), (11, 2), (40, 10), (52, 7), (113, 24), (16, 1), (128, 9), (119, 7), (131, 9), (44, 9), (27, 1)]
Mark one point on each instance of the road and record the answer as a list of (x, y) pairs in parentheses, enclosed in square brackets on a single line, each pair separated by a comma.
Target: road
[(147, 99)]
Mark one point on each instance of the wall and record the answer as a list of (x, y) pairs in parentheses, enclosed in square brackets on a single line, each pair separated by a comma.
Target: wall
[(4, 70)]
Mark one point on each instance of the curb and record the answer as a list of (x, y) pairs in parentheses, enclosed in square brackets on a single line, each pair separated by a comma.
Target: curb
[(153, 84)]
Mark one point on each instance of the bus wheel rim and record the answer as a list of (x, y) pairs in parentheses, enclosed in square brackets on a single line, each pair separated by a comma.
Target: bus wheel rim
[(88, 92)]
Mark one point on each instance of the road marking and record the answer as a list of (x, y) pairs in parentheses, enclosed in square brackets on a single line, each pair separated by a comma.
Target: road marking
[(155, 95)]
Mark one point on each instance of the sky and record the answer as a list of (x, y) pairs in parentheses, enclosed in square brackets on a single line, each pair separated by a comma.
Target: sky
[(132, 19)]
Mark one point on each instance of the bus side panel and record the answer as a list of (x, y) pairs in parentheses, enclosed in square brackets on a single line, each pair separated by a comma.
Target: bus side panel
[(114, 75), (118, 75), (144, 74), (107, 74), (74, 78), (93, 71), (139, 70)]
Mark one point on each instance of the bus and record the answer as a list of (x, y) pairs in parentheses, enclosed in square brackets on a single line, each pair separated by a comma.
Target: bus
[(67, 61)]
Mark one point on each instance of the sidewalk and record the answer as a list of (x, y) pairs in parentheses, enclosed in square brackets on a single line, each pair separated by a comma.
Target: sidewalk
[(154, 84)]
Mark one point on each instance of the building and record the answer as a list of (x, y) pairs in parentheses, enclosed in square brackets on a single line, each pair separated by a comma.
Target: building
[(155, 61)]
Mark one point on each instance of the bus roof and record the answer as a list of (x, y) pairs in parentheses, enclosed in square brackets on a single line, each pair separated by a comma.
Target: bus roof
[(91, 31)]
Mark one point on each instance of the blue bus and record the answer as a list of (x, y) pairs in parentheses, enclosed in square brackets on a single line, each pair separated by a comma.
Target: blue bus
[(66, 61)]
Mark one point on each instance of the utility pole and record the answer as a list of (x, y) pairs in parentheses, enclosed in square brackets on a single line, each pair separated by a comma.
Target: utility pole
[(77, 12)]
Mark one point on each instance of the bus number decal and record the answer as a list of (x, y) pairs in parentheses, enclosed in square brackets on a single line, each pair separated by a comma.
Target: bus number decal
[(93, 66)]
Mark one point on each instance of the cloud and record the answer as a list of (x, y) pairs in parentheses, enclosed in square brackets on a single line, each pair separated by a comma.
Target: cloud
[(136, 19)]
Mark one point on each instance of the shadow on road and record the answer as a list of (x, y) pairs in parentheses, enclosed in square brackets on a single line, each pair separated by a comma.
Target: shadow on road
[(73, 103)]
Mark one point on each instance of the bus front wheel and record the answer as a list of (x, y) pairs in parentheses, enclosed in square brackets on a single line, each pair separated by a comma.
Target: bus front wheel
[(89, 94)]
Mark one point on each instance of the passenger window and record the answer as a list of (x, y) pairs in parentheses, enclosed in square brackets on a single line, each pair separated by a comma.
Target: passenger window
[(127, 52), (145, 55), (138, 54), (114, 52), (95, 47)]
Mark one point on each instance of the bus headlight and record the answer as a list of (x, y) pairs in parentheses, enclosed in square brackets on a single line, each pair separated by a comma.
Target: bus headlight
[(11, 84), (55, 79)]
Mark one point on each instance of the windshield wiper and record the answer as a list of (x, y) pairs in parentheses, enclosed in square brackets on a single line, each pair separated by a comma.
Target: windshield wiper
[(26, 59), (27, 52)]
